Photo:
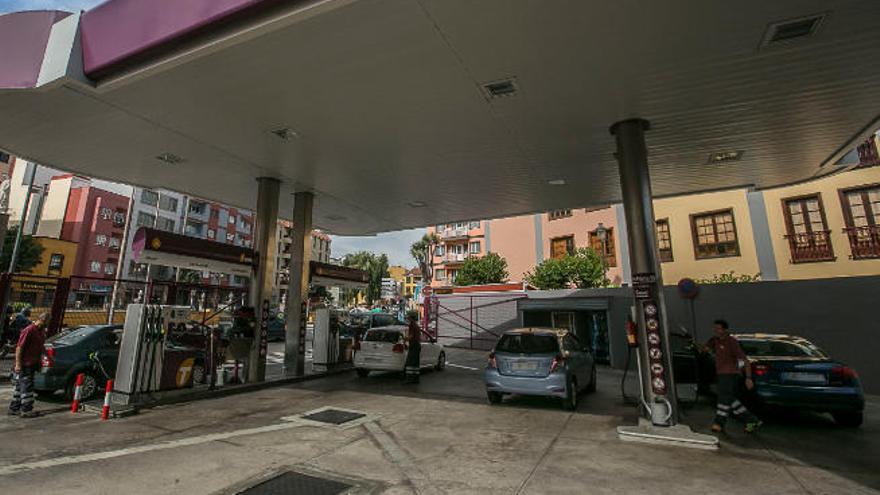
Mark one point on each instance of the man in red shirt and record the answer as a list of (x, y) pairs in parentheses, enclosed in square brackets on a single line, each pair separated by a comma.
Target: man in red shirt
[(728, 357), (28, 353)]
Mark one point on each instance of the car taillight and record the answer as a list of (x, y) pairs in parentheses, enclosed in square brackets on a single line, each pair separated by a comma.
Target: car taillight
[(398, 348), (558, 362), (48, 359), (844, 374), (493, 365), (357, 345), (760, 369)]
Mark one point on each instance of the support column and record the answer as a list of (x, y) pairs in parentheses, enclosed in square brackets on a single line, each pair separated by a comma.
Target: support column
[(660, 408), (266, 245), (658, 387), (298, 290)]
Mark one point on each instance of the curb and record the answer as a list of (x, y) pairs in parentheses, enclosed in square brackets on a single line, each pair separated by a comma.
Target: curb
[(234, 390)]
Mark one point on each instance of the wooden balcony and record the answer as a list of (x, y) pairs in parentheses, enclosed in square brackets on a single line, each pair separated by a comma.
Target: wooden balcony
[(811, 247), (864, 242)]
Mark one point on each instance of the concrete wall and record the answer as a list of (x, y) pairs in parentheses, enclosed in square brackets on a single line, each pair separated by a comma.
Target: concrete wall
[(835, 314), (474, 320)]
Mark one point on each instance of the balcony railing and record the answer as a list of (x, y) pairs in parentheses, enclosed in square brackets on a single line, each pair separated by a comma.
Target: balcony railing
[(454, 257), (453, 233), (809, 247), (864, 242)]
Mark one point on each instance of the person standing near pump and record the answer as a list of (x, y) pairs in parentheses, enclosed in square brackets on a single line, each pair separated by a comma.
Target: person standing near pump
[(728, 356), (414, 353), (27, 361)]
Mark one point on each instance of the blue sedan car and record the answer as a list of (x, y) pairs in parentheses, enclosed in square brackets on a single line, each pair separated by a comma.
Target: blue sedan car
[(792, 372), (542, 362)]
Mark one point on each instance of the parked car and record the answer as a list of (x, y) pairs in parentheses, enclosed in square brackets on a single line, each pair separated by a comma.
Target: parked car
[(68, 354), (542, 362), (384, 349), (792, 372), (358, 323)]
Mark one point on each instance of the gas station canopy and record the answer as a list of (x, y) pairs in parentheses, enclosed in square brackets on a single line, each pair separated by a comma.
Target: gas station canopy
[(402, 113)]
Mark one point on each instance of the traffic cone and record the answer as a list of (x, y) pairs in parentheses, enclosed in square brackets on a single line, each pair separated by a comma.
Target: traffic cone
[(77, 393), (105, 411)]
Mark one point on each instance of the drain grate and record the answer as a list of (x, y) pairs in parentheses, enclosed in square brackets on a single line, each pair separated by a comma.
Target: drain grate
[(334, 416), (293, 483)]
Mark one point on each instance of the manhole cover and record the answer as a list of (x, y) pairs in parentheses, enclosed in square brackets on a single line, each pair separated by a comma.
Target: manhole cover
[(292, 483), (334, 416)]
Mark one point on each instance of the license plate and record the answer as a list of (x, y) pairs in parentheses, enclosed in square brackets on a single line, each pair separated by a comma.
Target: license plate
[(524, 366), (796, 376)]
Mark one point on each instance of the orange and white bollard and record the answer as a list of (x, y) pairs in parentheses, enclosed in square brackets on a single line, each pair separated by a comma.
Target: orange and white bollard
[(77, 393), (105, 411)]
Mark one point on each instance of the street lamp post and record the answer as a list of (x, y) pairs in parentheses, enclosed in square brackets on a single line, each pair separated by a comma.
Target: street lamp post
[(602, 234)]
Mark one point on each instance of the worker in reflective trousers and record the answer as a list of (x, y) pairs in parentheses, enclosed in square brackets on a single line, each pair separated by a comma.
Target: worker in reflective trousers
[(729, 357), (414, 353)]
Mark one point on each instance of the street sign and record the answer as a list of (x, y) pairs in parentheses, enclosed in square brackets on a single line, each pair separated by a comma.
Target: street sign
[(643, 285), (688, 288)]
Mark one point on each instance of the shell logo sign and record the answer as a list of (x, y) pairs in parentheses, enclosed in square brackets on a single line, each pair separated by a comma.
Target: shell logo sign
[(156, 243), (184, 372)]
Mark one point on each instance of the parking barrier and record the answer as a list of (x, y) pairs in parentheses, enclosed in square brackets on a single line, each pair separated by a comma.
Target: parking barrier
[(105, 411), (77, 393)]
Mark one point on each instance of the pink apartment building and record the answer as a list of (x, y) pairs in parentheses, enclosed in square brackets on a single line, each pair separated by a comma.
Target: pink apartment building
[(526, 240)]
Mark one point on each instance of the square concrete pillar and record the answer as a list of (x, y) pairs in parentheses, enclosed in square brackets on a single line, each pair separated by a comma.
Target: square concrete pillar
[(298, 288)]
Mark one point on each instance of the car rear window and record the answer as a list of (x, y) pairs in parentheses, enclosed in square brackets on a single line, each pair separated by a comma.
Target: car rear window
[(780, 348), (73, 336), (390, 336), (528, 343)]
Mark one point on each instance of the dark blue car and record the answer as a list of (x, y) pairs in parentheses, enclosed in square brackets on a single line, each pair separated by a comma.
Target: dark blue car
[(792, 372), (67, 355)]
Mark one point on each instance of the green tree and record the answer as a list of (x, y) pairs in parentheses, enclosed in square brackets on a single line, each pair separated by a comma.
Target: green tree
[(583, 270), (422, 251), (29, 252), (489, 269), (376, 267)]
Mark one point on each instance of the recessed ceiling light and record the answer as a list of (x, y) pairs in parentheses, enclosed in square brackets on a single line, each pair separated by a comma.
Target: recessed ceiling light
[(556, 182), (170, 158), (500, 88), (417, 204), (726, 156), (792, 29), (285, 133)]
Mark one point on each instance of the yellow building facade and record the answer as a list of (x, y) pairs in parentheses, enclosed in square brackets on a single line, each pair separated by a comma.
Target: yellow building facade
[(57, 259)]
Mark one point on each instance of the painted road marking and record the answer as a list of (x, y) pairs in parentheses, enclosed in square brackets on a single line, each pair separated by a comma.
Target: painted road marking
[(183, 442), (462, 367)]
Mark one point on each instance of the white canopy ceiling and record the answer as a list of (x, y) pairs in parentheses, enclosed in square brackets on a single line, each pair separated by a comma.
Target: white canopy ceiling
[(387, 100)]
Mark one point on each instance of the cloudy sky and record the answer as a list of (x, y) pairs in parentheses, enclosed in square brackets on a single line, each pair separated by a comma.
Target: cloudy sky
[(68, 5), (394, 244)]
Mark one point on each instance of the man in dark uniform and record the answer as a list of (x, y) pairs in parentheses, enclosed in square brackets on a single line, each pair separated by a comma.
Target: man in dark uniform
[(728, 356), (414, 352)]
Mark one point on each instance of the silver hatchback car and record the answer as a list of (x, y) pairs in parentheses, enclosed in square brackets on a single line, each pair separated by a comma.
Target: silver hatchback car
[(540, 361)]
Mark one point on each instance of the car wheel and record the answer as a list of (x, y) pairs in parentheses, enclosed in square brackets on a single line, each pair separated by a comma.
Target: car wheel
[(593, 376), (570, 402), (494, 397), (198, 373), (441, 362), (363, 373), (849, 419)]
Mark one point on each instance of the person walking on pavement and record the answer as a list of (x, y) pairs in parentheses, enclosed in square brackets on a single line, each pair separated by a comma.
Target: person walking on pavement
[(27, 360), (414, 353), (728, 356)]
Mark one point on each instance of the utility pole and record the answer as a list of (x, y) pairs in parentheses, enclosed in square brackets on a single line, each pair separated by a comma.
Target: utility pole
[(123, 252)]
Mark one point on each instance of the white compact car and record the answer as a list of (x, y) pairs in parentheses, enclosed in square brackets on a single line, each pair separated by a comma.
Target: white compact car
[(384, 349)]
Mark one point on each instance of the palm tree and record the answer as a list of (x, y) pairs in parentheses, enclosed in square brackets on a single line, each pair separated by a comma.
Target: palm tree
[(422, 251)]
